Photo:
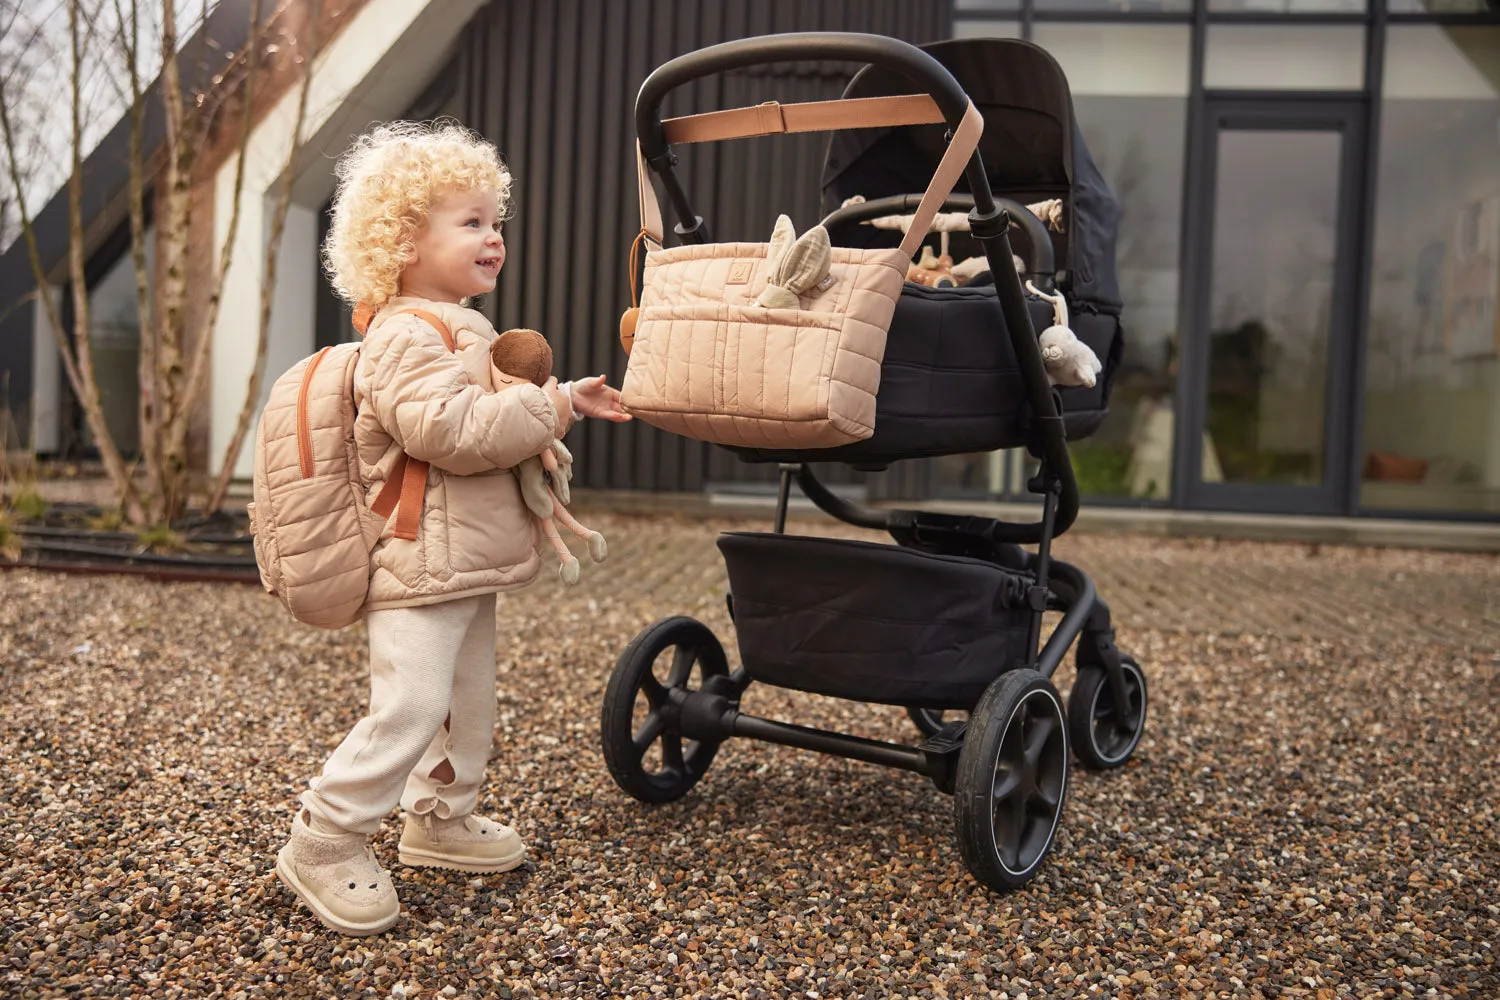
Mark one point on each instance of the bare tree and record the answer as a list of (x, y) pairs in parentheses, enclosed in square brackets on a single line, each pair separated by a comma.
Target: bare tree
[(76, 351), (174, 346)]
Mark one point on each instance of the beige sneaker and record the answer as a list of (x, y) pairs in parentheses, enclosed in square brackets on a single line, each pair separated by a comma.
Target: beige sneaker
[(338, 878), (464, 843)]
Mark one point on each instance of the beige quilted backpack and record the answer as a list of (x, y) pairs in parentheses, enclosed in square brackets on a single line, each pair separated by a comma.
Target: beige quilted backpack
[(313, 532)]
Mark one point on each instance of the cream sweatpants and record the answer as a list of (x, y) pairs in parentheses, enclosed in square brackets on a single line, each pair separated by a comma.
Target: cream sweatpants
[(432, 700)]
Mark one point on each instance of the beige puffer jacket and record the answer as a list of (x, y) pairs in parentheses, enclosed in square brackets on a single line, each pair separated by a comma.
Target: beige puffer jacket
[(476, 535)]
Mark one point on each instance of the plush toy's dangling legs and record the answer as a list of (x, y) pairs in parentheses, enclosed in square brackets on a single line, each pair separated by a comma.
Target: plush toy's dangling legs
[(568, 563), (597, 549)]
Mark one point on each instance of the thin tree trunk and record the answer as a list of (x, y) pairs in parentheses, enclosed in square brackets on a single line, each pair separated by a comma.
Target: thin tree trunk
[(114, 464), (172, 239), (147, 413), (268, 281)]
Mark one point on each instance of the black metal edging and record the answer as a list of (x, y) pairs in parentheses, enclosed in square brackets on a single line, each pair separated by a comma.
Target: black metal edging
[(1354, 432), (157, 572), (1186, 461)]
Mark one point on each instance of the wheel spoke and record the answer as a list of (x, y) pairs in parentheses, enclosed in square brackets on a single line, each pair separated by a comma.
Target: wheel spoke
[(643, 737), (1036, 740), (1010, 828), (1047, 797), (654, 692), (671, 753), (1006, 784), (682, 666)]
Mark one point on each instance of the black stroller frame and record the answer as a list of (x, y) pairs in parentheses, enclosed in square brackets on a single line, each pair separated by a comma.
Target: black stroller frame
[(1006, 764)]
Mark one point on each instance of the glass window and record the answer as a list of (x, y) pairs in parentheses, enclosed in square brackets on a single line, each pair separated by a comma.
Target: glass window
[(1117, 6), (1290, 6), (1274, 247), (115, 340), (1439, 7), (1276, 57), (1130, 86), (986, 29), (1432, 375)]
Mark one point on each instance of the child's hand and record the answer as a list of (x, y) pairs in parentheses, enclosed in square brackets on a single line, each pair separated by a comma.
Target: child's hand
[(593, 398), (561, 404)]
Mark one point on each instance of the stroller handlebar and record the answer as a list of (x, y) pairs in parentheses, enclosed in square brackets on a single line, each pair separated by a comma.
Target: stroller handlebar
[(929, 75)]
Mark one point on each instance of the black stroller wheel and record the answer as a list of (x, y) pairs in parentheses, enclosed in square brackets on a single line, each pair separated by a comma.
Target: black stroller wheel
[(645, 750), (1012, 779), (928, 720), (1102, 737)]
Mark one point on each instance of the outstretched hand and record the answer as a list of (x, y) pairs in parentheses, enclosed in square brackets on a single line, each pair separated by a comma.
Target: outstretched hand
[(592, 398)]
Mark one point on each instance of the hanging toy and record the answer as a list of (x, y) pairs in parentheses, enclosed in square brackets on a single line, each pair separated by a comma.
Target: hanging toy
[(1069, 361), (933, 271)]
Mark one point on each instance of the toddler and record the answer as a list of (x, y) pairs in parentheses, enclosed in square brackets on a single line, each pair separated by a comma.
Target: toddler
[(417, 229)]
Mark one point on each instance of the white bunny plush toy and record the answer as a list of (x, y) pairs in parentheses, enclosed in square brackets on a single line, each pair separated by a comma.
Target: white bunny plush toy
[(1069, 361)]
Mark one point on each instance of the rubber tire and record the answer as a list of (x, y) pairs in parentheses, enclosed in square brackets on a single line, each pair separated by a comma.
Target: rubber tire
[(621, 754), (974, 788), (1083, 706)]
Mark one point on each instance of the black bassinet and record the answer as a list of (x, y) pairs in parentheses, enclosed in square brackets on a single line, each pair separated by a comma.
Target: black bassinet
[(950, 382)]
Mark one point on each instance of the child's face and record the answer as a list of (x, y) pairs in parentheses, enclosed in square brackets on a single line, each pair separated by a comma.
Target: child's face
[(459, 252)]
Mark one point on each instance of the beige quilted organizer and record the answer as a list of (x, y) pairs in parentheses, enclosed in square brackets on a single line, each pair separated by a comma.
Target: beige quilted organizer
[(708, 363)]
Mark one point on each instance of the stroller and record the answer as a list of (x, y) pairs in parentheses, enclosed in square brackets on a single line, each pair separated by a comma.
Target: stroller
[(947, 620)]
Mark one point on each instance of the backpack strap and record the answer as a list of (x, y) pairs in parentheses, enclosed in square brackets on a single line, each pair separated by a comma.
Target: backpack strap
[(407, 483)]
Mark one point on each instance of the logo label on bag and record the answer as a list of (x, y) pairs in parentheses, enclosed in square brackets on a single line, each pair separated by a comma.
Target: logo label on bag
[(740, 272)]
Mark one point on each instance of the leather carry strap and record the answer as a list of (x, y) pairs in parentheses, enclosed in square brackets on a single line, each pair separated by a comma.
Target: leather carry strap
[(812, 116), (821, 116), (405, 486)]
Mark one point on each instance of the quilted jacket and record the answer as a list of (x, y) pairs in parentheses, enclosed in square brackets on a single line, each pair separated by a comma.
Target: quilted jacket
[(476, 535)]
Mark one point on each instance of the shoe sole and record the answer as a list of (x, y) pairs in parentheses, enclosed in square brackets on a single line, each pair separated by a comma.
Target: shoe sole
[(290, 880), (480, 866)]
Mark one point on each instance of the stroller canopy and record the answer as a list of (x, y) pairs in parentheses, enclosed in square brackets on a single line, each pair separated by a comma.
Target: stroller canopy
[(1031, 148)]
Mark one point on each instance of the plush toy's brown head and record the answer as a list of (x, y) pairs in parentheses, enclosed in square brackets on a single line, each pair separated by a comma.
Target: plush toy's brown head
[(523, 354)]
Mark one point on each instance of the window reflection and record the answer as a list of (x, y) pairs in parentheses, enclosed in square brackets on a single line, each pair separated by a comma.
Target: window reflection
[(1432, 377), (115, 340), (1130, 86)]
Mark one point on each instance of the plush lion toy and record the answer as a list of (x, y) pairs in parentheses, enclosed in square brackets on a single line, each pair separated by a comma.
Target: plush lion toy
[(517, 357)]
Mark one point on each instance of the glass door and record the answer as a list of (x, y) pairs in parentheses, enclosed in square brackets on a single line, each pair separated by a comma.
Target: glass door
[(1269, 342)]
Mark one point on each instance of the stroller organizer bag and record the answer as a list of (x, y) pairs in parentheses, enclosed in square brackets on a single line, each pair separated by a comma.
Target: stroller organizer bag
[(869, 622), (833, 345)]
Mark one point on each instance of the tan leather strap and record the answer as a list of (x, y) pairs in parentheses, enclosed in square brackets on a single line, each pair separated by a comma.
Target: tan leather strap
[(409, 508), (651, 225), (304, 430), (390, 492), (950, 168), (407, 483), (812, 116), (819, 116)]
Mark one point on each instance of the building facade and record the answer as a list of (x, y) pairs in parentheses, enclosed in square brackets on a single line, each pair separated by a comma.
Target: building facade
[(1309, 251)]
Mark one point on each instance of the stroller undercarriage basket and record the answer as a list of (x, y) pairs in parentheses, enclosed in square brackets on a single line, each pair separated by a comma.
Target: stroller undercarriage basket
[(871, 622)]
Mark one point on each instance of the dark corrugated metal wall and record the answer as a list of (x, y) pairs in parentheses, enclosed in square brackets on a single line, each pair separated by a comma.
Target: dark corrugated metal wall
[(554, 85)]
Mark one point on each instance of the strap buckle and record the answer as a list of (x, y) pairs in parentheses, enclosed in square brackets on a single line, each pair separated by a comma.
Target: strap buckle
[(769, 117)]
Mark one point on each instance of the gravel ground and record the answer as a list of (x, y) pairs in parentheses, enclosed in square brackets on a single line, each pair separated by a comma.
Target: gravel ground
[(1312, 811)]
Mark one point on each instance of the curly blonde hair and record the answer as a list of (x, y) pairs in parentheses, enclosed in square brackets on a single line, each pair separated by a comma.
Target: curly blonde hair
[(387, 182)]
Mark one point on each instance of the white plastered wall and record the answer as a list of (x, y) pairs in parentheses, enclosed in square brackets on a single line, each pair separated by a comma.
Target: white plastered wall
[(46, 380), (372, 70)]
